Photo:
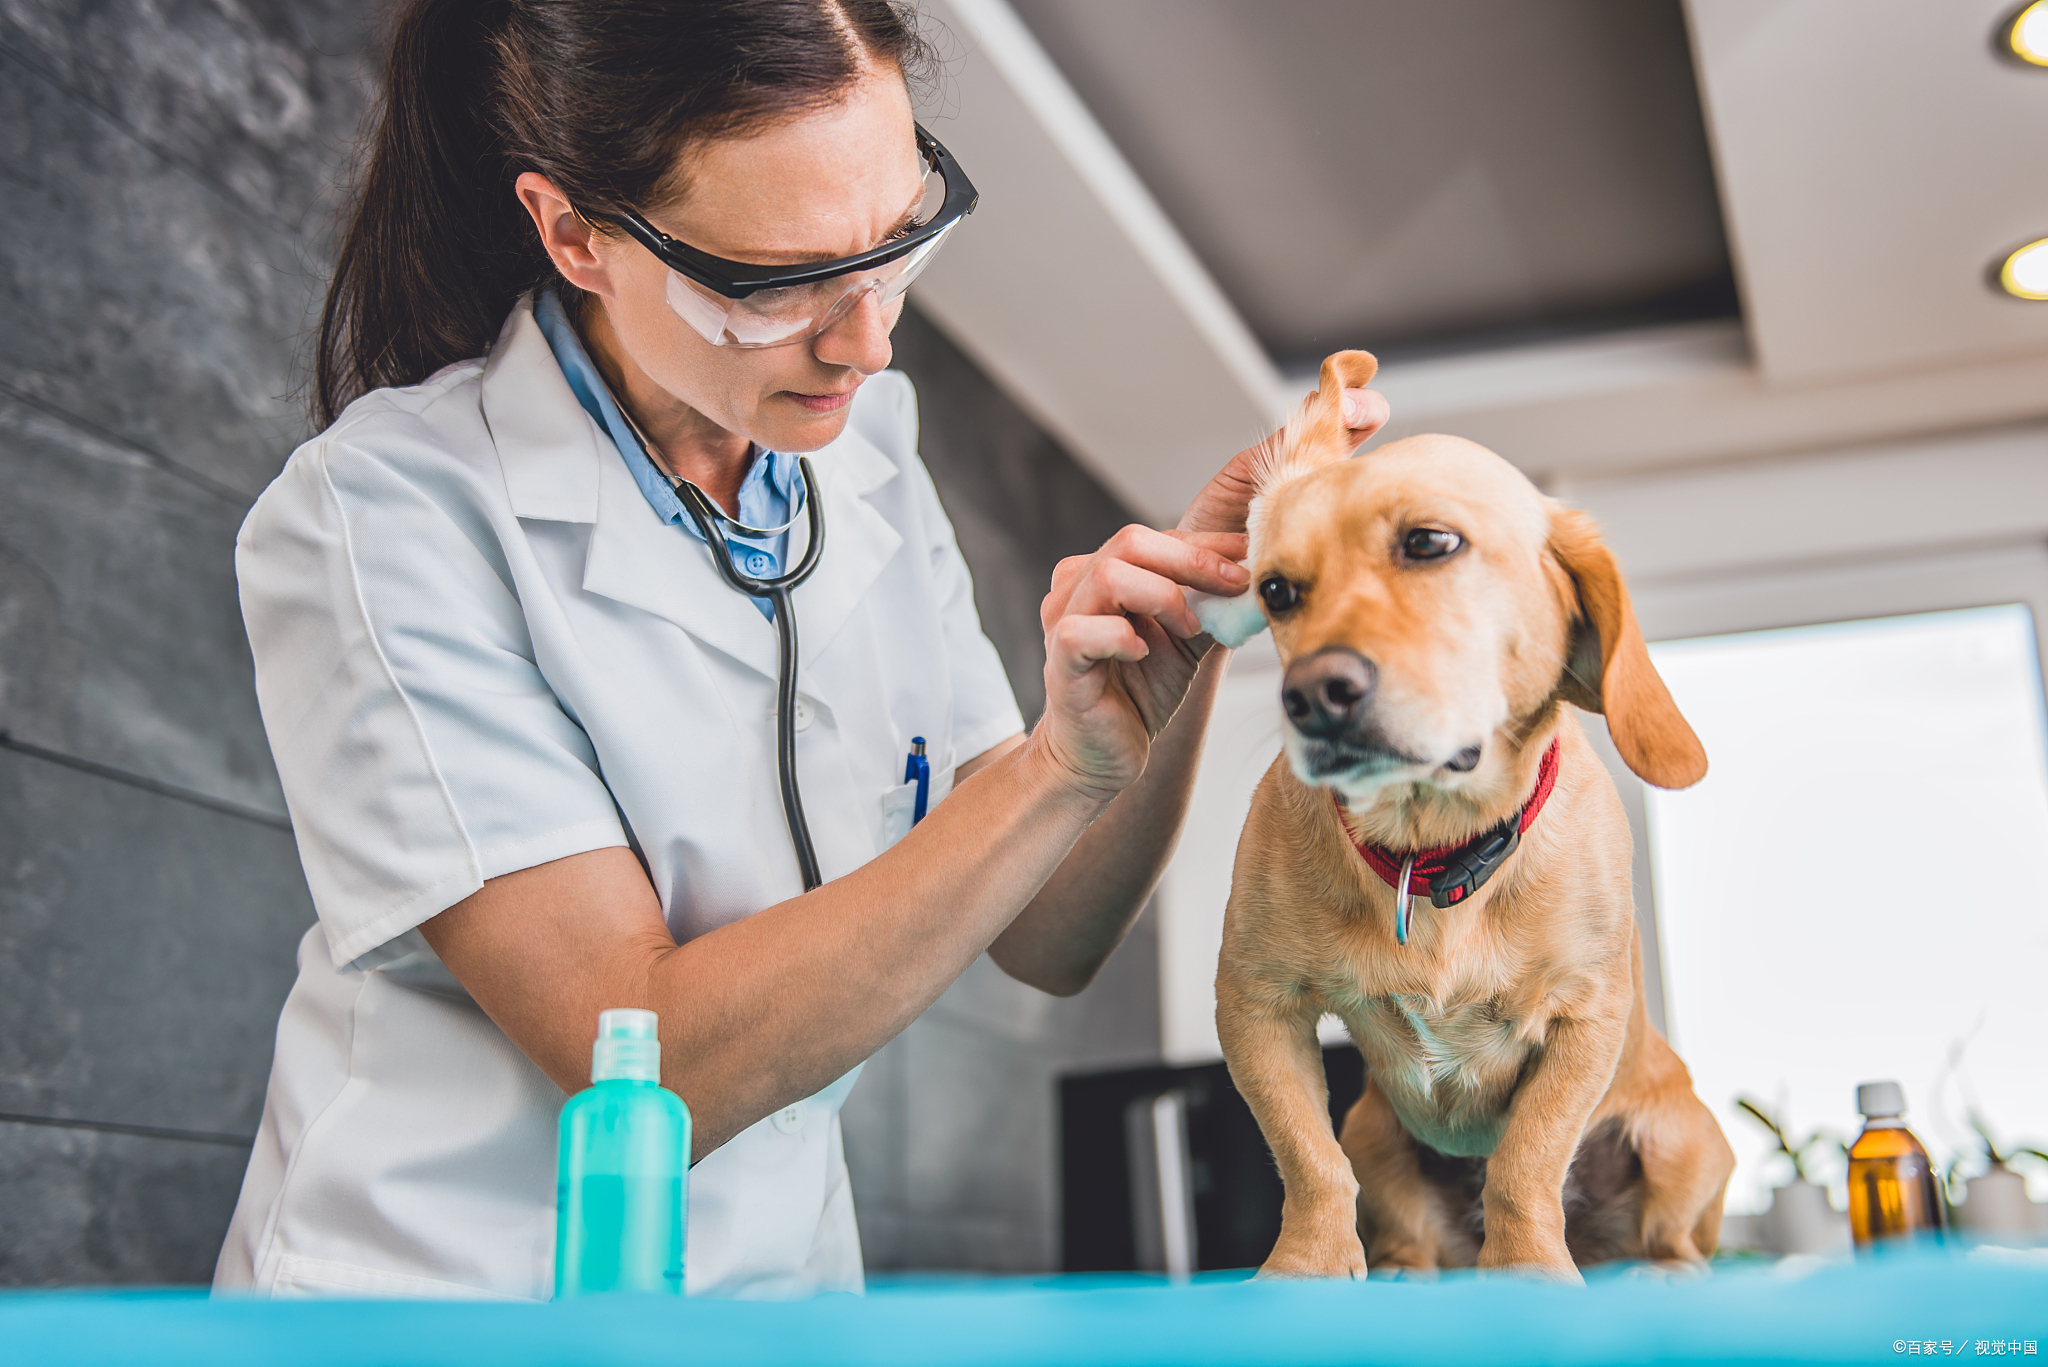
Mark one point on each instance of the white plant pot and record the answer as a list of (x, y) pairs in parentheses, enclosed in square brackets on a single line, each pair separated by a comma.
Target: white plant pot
[(1800, 1220), (1996, 1202)]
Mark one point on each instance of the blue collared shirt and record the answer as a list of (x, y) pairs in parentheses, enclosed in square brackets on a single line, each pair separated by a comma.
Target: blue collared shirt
[(770, 495)]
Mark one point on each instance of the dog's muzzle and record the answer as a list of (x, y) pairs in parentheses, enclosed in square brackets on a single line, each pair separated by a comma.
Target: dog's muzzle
[(1325, 694), (1328, 696)]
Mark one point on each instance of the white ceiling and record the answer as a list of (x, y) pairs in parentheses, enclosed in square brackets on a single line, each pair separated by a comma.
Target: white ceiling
[(1876, 157), (1872, 158), (1361, 172), (1072, 288)]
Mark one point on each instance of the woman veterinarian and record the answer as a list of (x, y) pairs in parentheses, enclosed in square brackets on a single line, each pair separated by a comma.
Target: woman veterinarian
[(526, 710)]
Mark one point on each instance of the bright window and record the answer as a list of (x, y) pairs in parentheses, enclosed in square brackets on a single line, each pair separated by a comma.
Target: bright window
[(1859, 888)]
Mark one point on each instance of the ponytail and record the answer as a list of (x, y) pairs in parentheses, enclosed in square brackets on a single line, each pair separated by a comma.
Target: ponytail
[(601, 96), (435, 252)]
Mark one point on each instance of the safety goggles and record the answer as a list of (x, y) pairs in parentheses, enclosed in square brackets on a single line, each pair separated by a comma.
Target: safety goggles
[(730, 303)]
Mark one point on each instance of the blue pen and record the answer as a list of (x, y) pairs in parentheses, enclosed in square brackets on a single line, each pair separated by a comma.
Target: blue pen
[(919, 768)]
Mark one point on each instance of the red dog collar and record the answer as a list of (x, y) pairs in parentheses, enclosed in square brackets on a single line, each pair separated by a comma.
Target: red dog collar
[(1452, 873)]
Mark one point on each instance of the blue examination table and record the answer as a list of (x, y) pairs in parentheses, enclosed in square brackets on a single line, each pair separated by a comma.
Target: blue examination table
[(1888, 1311)]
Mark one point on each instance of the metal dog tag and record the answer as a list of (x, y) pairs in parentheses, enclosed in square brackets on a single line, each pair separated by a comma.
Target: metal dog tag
[(1403, 903)]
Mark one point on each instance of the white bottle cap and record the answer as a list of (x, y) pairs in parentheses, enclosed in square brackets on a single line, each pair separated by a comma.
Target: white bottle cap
[(1880, 1100), (627, 1046)]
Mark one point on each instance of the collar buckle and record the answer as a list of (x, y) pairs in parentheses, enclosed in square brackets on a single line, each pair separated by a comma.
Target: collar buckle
[(1456, 873), (1467, 868)]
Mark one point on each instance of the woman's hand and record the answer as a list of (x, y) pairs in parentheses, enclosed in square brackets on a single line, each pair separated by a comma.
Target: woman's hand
[(1222, 504), (1121, 647), (1121, 644)]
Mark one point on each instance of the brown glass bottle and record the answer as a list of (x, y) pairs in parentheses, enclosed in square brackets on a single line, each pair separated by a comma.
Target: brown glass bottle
[(1893, 1196)]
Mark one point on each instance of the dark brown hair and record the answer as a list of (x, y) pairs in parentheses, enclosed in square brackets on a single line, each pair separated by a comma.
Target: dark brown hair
[(603, 97)]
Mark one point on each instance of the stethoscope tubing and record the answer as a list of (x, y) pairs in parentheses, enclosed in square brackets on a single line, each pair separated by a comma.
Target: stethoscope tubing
[(709, 518)]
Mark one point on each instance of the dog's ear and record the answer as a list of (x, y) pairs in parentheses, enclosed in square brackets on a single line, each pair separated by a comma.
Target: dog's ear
[(1324, 436), (1316, 435), (1344, 370), (1609, 670)]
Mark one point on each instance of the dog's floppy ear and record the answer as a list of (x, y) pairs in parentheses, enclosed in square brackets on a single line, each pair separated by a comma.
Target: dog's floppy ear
[(1609, 670), (1316, 435), (1344, 370)]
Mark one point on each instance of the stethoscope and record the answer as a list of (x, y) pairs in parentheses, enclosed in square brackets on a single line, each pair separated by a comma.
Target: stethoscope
[(712, 522)]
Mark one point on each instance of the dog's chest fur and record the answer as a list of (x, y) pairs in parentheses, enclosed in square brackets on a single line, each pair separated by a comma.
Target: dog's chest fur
[(1446, 1046)]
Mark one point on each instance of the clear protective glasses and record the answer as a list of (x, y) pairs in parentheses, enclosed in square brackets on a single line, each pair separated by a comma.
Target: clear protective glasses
[(731, 303)]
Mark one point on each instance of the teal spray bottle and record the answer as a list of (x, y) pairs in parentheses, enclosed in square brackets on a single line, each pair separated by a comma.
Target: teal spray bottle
[(622, 1187)]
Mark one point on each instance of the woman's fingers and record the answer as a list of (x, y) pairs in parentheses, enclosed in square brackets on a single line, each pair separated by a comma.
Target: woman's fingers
[(1065, 575), (1122, 604), (1090, 726), (1119, 607), (1231, 546), (1365, 412), (1077, 644), (1204, 561), (1199, 561), (1116, 587), (1143, 570)]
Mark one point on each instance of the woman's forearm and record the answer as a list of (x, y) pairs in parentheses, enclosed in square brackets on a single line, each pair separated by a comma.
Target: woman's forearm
[(1063, 937), (773, 1007)]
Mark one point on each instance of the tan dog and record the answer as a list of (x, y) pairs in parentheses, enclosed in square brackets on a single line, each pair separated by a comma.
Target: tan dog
[(1435, 613)]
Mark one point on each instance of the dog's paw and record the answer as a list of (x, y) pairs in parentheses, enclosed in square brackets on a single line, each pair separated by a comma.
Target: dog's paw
[(1548, 1265), (1232, 621), (1316, 1258)]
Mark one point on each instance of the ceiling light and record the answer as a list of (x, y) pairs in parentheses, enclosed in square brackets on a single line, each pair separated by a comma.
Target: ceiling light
[(2025, 34), (2025, 272)]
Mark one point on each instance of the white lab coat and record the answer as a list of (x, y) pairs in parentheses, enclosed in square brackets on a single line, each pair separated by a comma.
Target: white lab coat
[(478, 649)]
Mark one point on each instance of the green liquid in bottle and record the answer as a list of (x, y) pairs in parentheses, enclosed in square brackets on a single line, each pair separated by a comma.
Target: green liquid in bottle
[(622, 1194)]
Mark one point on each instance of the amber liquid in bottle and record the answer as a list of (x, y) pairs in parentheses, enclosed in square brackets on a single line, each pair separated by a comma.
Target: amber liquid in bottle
[(1892, 1192)]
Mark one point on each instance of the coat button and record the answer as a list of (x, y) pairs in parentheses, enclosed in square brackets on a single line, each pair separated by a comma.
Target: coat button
[(806, 712), (790, 1119)]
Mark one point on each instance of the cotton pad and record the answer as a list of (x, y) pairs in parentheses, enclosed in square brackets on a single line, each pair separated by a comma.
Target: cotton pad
[(1232, 621), (1314, 437)]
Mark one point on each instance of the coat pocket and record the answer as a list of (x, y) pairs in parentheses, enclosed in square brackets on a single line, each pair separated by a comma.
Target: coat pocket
[(899, 804)]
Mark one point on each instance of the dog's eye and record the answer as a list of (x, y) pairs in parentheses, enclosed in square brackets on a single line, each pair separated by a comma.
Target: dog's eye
[(1429, 543), (1280, 594)]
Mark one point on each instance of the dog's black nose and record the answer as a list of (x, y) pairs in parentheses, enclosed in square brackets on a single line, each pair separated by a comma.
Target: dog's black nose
[(1324, 692)]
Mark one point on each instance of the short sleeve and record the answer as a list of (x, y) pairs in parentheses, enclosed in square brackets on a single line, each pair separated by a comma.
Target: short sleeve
[(984, 705), (420, 749)]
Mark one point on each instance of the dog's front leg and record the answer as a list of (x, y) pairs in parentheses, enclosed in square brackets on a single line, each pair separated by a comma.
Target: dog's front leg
[(1269, 1041), (1525, 1175)]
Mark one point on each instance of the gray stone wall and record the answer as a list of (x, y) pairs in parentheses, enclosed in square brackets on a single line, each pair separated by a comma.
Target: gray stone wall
[(172, 171), (168, 167)]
